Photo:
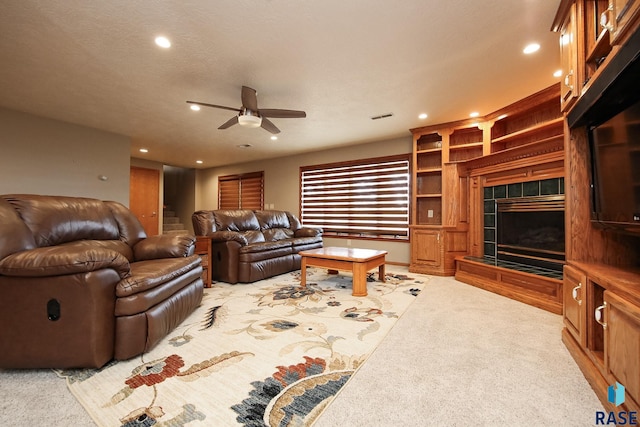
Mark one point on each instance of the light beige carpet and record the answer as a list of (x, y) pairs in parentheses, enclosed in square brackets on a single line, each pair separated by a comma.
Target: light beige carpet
[(458, 356), (269, 353)]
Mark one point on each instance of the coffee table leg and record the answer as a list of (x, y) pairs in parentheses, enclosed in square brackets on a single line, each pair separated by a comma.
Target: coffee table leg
[(303, 272), (381, 274), (359, 280)]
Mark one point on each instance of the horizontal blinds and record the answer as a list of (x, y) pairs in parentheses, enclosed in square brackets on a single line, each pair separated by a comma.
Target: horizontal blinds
[(251, 192), (369, 199), (228, 193), (241, 191)]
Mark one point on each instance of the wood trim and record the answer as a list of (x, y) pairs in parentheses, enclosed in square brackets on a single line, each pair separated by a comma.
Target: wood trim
[(539, 291)]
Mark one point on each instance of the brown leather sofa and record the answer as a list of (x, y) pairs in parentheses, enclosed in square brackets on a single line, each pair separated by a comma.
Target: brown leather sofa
[(247, 246), (81, 283)]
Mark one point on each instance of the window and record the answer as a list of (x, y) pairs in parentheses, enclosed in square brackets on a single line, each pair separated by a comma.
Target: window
[(366, 198), (243, 191)]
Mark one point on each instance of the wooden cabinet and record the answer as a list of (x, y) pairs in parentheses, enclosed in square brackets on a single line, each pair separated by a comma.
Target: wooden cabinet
[(426, 248), (602, 327), (621, 323), (203, 248), (574, 308), (570, 87), (620, 17)]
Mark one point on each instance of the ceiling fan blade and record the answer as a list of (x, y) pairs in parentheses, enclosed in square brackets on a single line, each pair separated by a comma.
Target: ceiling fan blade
[(249, 98), (204, 104), (232, 121), (268, 126), (282, 114)]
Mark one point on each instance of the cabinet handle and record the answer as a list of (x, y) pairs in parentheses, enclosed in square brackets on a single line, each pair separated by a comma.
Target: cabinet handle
[(599, 315), (574, 294), (568, 79), (605, 19)]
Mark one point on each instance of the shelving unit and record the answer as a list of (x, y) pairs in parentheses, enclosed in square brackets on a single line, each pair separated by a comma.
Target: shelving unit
[(427, 157), (544, 122), (441, 209), (466, 143)]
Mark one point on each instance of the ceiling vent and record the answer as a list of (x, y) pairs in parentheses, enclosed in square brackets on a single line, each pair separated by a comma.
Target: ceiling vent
[(382, 116)]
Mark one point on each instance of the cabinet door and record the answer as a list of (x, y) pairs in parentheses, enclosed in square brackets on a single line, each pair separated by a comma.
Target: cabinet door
[(620, 17), (426, 248), (622, 346), (574, 308), (569, 61)]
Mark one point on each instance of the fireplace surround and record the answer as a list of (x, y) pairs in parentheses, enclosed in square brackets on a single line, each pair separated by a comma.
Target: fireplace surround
[(524, 226)]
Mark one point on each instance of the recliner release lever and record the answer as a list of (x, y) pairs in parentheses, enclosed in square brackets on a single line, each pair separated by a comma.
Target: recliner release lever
[(53, 310)]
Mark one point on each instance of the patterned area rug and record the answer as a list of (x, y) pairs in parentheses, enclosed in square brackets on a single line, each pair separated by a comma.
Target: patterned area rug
[(268, 353)]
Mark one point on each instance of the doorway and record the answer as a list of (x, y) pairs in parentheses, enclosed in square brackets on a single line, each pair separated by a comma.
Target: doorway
[(144, 197)]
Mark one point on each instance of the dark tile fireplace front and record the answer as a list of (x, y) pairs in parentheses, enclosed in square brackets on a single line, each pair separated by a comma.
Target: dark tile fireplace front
[(524, 226)]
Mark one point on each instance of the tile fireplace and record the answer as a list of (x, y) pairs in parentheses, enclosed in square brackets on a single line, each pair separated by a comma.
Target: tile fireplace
[(524, 226)]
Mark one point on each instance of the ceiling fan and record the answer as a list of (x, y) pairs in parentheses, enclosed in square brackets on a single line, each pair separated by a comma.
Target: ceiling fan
[(249, 115)]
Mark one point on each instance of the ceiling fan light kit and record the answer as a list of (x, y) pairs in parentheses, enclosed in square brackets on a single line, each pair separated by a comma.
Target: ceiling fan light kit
[(250, 116), (249, 121)]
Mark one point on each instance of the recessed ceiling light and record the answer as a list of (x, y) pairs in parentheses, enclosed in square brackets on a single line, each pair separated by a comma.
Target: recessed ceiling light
[(244, 146), (144, 150), (199, 162), (422, 116), (195, 107), (558, 73), (531, 48), (163, 42), (274, 138), (474, 114)]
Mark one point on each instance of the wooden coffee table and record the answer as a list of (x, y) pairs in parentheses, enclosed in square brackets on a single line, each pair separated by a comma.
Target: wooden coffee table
[(359, 261)]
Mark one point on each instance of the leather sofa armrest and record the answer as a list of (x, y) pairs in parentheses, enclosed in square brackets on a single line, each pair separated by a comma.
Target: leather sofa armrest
[(164, 246), (226, 236), (308, 232), (62, 260)]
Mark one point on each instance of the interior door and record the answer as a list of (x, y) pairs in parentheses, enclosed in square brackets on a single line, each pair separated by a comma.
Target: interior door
[(144, 199)]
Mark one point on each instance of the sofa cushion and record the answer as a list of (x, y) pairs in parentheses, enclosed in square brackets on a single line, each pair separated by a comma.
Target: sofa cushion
[(272, 219), (57, 219), (142, 301), (236, 220), (146, 275), (265, 246), (274, 234), (115, 245), (15, 236), (62, 260), (131, 231), (203, 223)]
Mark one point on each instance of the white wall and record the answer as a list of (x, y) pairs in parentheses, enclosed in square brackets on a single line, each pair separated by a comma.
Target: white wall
[(282, 185), (45, 156)]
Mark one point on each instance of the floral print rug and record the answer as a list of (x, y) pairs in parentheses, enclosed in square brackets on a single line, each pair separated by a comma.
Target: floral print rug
[(267, 353)]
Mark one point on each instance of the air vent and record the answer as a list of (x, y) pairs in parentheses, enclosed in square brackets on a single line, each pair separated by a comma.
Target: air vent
[(382, 116)]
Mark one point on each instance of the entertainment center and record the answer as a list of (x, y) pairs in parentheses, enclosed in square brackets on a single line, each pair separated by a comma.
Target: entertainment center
[(600, 54), (564, 162)]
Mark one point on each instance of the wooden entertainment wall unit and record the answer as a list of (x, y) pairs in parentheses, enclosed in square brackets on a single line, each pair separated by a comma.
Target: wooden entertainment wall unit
[(602, 275), (544, 136), (452, 165)]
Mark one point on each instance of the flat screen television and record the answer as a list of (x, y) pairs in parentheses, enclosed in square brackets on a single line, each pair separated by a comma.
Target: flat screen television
[(615, 154)]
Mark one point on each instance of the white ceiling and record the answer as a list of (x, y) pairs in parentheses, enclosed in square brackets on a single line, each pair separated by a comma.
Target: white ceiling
[(95, 63)]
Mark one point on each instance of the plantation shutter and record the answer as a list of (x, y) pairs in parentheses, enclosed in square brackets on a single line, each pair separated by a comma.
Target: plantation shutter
[(368, 198), (241, 191)]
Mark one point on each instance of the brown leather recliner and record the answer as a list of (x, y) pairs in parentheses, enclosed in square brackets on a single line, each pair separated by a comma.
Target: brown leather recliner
[(247, 246), (81, 283)]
